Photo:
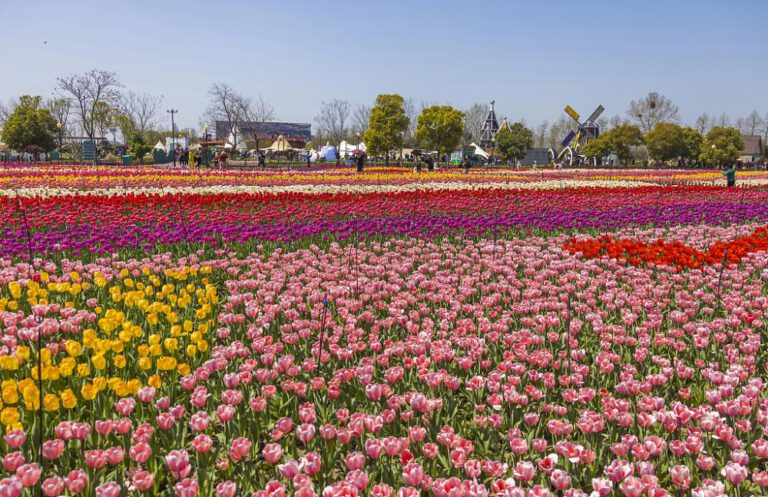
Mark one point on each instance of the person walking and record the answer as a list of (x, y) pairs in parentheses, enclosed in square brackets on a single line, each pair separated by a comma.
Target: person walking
[(360, 162), (730, 175), (308, 158)]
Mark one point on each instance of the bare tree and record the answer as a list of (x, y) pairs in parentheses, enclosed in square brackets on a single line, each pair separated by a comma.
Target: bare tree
[(87, 91), (60, 109), (540, 136), (227, 105), (332, 121), (652, 109), (140, 110), (474, 118), (765, 129), (360, 118), (558, 131), (412, 111), (258, 112), (703, 123), (740, 124), (753, 123), (722, 120)]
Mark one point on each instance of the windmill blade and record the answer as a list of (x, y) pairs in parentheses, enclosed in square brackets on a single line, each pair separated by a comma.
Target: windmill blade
[(574, 115), (593, 117), (568, 139)]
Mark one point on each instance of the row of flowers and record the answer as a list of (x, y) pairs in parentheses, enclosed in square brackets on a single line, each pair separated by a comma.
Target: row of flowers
[(505, 367)]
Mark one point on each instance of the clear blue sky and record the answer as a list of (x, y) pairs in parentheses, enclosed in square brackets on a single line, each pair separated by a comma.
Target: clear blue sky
[(533, 57)]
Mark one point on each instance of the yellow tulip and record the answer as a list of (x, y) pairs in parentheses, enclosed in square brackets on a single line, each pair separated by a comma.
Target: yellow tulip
[(51, 402), (83, 370), (99, 362), (145, 363), (155, 381), (171, 344), (119, 361), (100, 382), (15, 288), (68, 399), (9, 416), (89, 391), (73, 348), (9, 392), (166, 363)]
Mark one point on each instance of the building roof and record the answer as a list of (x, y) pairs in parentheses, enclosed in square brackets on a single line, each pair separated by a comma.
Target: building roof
[(753, 145), (268, 130)]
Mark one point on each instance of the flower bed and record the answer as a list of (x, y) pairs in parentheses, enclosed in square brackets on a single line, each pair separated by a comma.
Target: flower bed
[(474, 336)]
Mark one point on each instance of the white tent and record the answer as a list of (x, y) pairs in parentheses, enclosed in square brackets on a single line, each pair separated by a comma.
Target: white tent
[(346, 148), (159, 145), (328, 152), (231, 140), (280, 145), (479, 150)]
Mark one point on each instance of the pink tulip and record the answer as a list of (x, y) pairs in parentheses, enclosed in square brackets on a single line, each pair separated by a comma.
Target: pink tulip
[(226, 489), (560, 479), (311, 463), (239, 448), (53, 486), (29, 474), (76, 481), (10, 487), (272, 452), (354, 460), (681, 477), (15, 438), (143, 480), (202, 443), (187, 487), (178, 463), (109, 489), (13, 460), (305, 432), (140, 452)]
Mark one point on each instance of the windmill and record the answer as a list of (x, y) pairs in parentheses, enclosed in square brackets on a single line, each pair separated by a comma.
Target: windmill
[(586, 130)]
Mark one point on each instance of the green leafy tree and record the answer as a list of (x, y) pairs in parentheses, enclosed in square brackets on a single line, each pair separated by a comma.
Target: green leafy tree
[(721, 145), (693, 141), (387, 125), (597, 148), (138, 147), (621, 139), (513, 142), (30, 127), (440, 128), (666, 141)]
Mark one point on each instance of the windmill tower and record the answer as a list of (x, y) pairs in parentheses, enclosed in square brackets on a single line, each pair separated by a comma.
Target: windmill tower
[(585, 130), (490, 128)]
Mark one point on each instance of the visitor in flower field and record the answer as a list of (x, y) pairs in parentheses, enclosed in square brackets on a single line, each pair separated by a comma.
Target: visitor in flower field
[(360, 162), (730, 175)]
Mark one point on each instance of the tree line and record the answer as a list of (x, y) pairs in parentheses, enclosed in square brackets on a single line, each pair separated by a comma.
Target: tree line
[(96, 104)]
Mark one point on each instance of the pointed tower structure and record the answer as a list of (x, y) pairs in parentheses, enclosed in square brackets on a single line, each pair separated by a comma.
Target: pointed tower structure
[(490, 128), (504, 125)]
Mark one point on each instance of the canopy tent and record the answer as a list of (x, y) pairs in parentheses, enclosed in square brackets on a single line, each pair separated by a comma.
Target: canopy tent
[(479, 150), (159, 145), (346, 148), (328, 152), (280, 145), (231, 140)]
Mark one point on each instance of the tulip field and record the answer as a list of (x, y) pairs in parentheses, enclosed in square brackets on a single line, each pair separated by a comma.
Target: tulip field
[(509, 333)]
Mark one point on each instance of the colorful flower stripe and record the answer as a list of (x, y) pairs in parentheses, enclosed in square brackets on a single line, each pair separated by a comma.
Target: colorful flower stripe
[(182, 357), (674, 254)]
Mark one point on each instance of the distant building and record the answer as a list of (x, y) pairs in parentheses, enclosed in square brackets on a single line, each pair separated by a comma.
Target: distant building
[(297, 134), (753, 149), (536, 155)]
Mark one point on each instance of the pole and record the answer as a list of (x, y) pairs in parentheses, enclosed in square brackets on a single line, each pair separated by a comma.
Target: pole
[(173, 133)]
